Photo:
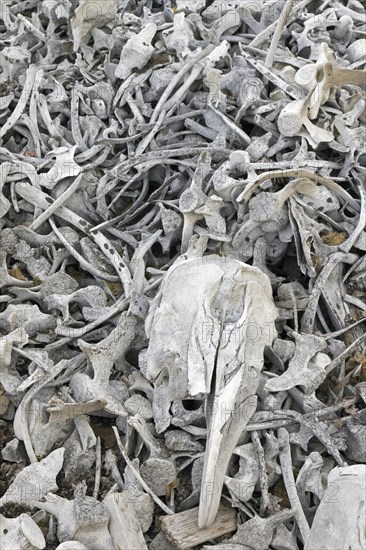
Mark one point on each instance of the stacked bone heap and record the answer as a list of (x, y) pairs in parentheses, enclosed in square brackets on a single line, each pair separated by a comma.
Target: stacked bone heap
[(183, 274)]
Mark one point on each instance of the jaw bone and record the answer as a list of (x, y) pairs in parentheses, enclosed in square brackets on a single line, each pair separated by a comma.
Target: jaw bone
[(232, 400)]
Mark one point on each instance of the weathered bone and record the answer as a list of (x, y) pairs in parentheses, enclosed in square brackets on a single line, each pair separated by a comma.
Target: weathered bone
[(222, 341), (21, 532)]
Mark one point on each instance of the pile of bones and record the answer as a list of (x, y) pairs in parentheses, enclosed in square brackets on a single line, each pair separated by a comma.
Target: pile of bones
[(183, 272)]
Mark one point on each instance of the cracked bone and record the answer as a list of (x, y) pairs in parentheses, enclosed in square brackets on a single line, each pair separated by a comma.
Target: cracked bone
[(14, 60), (356, 437), (136, 52), (90, 14), (172, 225), (283, 539), (83, 519), (34, 481), (208, 339)]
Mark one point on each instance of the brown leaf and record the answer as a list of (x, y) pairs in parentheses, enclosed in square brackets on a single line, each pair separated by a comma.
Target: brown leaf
[(333, 238), (18, 274)]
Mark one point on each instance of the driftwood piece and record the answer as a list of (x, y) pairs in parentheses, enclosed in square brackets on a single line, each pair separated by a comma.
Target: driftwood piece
[(183, 531)]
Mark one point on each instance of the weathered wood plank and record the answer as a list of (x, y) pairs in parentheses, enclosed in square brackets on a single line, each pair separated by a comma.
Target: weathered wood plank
[(183, 531)]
